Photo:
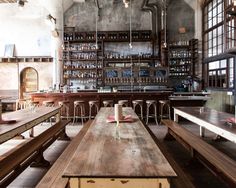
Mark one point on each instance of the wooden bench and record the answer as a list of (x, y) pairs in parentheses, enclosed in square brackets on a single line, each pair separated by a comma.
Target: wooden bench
[(53, 178), (217, 162), (183, 179), (18, 159)]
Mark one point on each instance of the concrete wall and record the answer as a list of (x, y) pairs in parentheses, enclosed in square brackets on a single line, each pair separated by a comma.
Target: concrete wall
[(9, 74), (180, 14), (113, 16)]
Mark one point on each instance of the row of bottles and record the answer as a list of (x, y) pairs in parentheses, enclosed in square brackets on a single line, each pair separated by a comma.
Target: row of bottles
[(140, 80), (83, 46), (179, 43), (82, 65), (70, 36), (82, 74), (112, 55), (179, 74), (179, 62), (179, 54), (80, 56), (180, 69)]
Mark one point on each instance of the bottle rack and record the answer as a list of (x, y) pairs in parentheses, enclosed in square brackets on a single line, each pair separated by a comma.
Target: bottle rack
[(182, 58)]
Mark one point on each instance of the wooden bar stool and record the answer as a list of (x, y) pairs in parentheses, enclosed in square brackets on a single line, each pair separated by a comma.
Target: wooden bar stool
[(124, 103), (108, 103), (164, 105), (149, 104), (49, 103), (65, 108), (91, 105), (140, 104), (79, 106), (20, 104)]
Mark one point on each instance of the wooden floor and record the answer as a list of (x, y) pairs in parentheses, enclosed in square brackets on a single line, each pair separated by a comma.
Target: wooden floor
[(202, 177)]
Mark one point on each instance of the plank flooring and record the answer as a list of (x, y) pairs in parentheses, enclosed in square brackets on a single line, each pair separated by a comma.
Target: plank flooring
[(201, 176)]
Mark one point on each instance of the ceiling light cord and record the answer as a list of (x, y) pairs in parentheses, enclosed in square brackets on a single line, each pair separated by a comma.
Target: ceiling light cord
[(130, 25)]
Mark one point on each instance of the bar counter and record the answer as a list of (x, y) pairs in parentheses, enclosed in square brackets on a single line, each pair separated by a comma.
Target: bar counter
[(87, 96)]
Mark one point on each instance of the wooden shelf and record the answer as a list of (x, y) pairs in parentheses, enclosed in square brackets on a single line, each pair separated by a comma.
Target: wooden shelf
[(26, 59)]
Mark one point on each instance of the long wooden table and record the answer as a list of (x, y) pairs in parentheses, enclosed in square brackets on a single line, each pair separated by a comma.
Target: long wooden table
[(209, 119), (102, 160), (25, 120)]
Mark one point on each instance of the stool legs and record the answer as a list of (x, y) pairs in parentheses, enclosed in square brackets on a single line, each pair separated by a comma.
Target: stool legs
[(141, 109), (155, 113), (78, 108), (90, 109)]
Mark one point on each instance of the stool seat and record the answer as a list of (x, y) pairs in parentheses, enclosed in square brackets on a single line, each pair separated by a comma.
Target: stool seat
[(92, 104), (124, 103), (48, 103), (107, 103), (79, 105), (140, 104)]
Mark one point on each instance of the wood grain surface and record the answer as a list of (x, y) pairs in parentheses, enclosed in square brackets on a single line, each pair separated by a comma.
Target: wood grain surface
[(134, 155), (25, 119), (211, 116)]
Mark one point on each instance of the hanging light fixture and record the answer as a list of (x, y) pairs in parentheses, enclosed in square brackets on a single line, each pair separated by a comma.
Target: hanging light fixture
[(126, 3), (164, 22), (234, 2), (130, 25), (97, 28)]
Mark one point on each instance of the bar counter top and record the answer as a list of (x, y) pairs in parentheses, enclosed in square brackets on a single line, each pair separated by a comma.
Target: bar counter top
[(87, 96)]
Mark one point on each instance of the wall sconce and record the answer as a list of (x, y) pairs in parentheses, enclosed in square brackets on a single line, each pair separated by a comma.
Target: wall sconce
[(182, 30), (126, 3), (55, 33), (50, 19), (20, 3)]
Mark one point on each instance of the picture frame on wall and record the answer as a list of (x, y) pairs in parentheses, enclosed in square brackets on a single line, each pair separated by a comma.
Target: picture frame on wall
[(9, 50)]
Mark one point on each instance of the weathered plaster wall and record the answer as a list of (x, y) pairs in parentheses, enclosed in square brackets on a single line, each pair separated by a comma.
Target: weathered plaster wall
[(26, 29), (180, 14), (9, 74), (113, 16)]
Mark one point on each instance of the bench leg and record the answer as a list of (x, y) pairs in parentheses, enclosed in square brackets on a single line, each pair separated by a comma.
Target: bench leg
[(40, 161), (169, 137), (64, 136), (202, 131)]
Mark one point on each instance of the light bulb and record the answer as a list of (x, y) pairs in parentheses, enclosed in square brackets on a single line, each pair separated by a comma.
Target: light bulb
[(126, 5), (234, 2), (130, 45)]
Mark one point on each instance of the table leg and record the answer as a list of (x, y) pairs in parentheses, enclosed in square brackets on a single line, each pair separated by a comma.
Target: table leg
[(202, 131), (176, 117)]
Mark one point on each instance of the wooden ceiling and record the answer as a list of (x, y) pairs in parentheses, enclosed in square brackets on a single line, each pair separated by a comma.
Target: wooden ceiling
[(8, 1)]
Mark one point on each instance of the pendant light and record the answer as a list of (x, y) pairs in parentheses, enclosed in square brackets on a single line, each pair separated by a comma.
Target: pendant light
[(130, 25)]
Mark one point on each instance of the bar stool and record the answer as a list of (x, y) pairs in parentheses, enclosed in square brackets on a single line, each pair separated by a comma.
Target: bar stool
[(164, 104), (149, 104), (140, 104), (20, 104), (108, 103), (124, 103), (65, 107), (79, 105), (49, 103), (91, 104)]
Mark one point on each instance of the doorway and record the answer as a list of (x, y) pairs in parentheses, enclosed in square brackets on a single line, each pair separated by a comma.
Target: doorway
[(28, 82)]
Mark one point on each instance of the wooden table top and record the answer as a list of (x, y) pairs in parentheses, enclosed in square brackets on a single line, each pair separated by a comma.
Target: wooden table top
[(135, 155), (214, 117), (23, 119), (189, 98)]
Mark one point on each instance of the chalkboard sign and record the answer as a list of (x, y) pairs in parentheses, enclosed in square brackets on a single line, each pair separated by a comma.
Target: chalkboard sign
[(144, 73), (161, 73), (127, 73), (111, 73)]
